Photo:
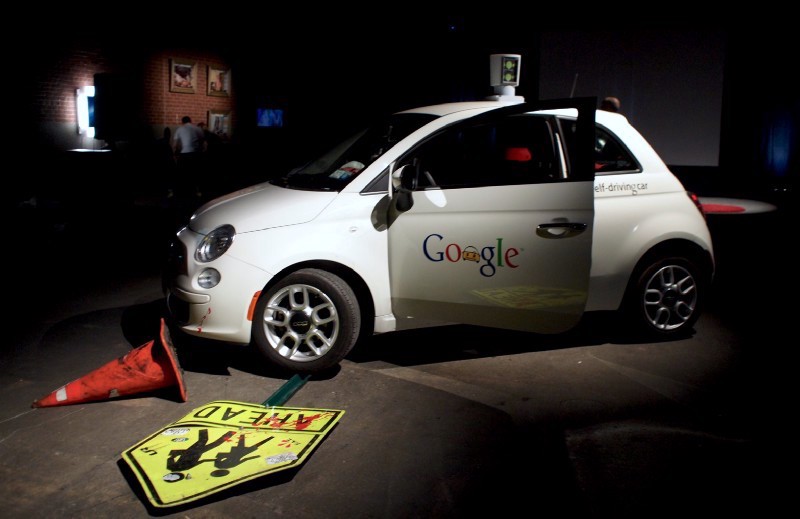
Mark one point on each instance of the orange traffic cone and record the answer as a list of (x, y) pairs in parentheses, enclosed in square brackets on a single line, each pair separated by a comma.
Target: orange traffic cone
[(145, 368)]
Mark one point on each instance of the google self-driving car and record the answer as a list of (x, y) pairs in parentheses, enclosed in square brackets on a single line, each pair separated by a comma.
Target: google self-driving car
[(513, 215)]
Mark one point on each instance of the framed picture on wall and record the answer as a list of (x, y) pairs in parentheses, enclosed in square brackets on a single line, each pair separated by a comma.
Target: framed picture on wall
[(219, 80), (182, 76), (219, 122)]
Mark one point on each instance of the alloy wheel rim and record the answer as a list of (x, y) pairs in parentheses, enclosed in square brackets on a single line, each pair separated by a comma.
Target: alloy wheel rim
[(670, 297), (301, 323)]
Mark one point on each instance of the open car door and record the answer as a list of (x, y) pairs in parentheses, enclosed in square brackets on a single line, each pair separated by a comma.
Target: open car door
[(491, 221)]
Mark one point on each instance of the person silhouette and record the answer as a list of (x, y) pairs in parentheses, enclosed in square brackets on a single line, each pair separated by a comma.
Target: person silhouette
[(188, 141), (236, 456), (610, 104), (184, 459)]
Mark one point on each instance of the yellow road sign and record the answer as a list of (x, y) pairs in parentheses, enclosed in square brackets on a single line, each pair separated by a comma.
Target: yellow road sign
[(222, 444)]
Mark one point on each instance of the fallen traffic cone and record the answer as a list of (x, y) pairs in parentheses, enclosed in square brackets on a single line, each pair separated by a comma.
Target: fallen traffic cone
[(151, 366)]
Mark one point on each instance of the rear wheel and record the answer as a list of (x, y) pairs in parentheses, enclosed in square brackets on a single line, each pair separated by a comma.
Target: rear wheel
[(307, 322), (666, 296)]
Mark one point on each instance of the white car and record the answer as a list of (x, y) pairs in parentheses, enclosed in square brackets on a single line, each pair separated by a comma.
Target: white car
[(521, 216)]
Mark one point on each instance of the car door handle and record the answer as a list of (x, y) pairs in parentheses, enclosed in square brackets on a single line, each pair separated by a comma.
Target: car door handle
[(559, 230)]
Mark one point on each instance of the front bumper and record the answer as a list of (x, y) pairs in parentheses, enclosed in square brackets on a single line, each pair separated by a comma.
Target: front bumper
[(220, 312)]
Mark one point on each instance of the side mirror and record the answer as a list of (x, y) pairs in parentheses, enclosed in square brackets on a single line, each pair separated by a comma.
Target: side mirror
[(402, 185), (398, 182)]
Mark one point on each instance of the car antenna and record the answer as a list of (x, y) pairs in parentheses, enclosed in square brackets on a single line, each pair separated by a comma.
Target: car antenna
[(574, 84)]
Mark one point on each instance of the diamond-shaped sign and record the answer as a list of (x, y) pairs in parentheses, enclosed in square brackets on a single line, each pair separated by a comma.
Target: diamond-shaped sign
[(222, 444)]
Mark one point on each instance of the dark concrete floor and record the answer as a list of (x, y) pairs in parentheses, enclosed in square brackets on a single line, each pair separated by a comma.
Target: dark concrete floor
[(450, 422)]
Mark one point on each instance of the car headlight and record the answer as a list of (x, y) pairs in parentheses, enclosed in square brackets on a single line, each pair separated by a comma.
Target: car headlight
[(215, 244)]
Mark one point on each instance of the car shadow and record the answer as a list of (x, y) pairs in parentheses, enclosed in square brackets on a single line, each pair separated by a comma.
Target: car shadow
[(403, 348), (141, 323), (462, 342)]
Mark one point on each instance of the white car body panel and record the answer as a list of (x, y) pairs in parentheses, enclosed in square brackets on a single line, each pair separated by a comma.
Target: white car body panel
[(259, 207), (619, 241), (345, 235)]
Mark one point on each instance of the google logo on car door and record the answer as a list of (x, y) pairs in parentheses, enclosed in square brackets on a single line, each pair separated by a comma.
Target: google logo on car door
[(493, 256)]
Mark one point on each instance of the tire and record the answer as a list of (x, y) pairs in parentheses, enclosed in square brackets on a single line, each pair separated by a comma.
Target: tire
[(665, 297), (307, 322)]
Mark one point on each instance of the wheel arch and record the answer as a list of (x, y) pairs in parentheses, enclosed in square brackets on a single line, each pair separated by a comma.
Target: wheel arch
[(350, 276), (700, 259), (688, 249)]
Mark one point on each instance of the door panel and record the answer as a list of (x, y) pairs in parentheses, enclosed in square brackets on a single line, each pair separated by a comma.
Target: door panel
[(454, 257), (496, 231)]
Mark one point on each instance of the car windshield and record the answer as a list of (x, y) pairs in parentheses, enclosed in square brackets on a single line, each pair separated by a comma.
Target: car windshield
[(336, 168)]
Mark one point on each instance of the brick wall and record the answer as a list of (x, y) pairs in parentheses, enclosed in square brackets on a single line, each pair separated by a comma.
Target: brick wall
[(54, 89), (53, 79), (164, 107)]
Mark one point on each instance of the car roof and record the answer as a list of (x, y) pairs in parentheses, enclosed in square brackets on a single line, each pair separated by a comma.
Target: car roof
[(616, 122), (451, 108), (476, 107)]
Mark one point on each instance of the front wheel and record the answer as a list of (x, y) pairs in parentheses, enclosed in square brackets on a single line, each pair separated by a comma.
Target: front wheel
[(307, 322), (666, 296)]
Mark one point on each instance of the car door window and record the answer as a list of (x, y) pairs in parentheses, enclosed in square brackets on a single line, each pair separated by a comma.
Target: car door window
[(518, 149)]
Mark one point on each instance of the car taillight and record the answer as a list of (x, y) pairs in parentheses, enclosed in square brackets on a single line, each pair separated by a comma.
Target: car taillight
[(697, 203)]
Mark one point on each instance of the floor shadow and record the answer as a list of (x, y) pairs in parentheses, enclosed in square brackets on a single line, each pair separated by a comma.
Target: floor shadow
[(462, 342), (141, 323), (246, 487)]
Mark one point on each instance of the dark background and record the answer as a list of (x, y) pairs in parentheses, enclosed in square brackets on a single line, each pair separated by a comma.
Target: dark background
[(335, 69), (72, 256)]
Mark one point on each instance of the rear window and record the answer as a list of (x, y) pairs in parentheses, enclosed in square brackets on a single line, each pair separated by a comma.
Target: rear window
[(610, 155)]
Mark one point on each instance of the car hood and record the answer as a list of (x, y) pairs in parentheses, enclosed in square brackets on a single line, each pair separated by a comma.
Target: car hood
[(259, 207)]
